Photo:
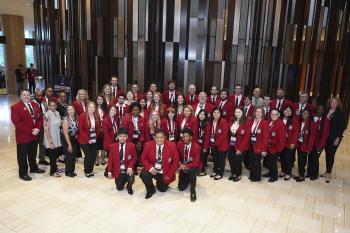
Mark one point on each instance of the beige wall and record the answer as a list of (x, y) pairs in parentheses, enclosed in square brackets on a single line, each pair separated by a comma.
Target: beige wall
[(13, 28)]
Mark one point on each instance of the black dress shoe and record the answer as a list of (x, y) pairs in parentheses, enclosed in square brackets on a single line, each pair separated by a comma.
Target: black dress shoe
[(231, 178), (130, 191), (313, 178), (236, 179), (70, 175), (266, 175), (272, 180), (38, 170), (193, 197), (44, 162), (88, 175), (218, 177), (300, 179), (307, 176), (74, 174), (213, 175), (150, 194), (25, 178), (287, 178)]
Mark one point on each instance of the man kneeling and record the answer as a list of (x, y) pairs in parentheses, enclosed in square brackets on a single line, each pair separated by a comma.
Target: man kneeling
[(190, 162), (121, 162), (160, 160)]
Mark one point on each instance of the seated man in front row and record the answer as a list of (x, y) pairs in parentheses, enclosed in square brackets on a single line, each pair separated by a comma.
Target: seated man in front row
[(121, 162), (160, 160), (190, 162)]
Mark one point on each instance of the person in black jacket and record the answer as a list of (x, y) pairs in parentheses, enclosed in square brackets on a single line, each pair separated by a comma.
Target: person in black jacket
[(337, 126)]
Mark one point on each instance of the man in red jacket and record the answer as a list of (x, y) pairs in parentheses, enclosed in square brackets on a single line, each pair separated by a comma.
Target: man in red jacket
[(189, 162), (121, 162), (160, 160), (170, 94), (27, 118)]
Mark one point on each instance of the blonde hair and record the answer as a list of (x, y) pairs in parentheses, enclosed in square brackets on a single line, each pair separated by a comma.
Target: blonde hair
[(150, 122), (82, 91), (339, 103)]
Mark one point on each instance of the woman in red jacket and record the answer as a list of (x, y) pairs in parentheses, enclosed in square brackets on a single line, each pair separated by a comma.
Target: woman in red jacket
[(89, 126), (102, 110), (110, 128), (292, 130), (219, 143), (239, 143), (185, 120), (322, 132), (277, 143), (201, 134), (158, 105), (152, 125), (306, 140), (169, 126), (81, 101), (143, 110), (259, 138)]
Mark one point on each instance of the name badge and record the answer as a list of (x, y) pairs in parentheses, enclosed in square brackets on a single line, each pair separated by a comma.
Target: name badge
[(136, 134), (171, 137), (212, 138), (129, 157), (253, 138), (200, 140), (273, 134), (242, 132), (158, 166), (122, 168), (300, 138)]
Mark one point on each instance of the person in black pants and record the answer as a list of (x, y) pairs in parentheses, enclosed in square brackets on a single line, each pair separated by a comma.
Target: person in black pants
[(337, 126), (70, 143)]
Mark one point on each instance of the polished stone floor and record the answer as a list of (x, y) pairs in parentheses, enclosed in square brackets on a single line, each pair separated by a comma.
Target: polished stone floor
[(48, 204)]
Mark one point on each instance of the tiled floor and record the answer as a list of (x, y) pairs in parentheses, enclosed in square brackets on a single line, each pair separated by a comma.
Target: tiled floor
[(64, 204)]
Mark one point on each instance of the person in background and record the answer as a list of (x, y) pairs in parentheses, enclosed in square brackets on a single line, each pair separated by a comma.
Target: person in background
[(225, 106), (259, 138), (122, 161), (257, 101), (28, 120), (214, 98), (143, 109), (81, 101), (201, 132), (169, 125), (149, 99), (180, 104), (322, 132), (62, 103), (292, 130), (218, 143), (122, 108), (189, 163), (153, 87), (158, 105), (306, 140), (185, 120), (170, 94), (129, 98), (280, 103), (48, 95), (102, 110), (31, 73), (276, 144), (89, 126), (202, 104), (69, 142), (52, 137), (303, 104), (248, 108), (237, 98), (19, 79), (107, 94), (191, 98), (135, 90), (239, 143), (337, 125), (160, 159), (267, 107), (116, 90)]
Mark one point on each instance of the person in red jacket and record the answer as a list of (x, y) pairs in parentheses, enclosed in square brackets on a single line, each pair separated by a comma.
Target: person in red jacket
[(321, 137), (225, 106), (170, 94), (236, 98), (303, 104), (280, 103), (248, 108), (189, 163), (107, 94), (239, 143), (292, 129), (122, 161), (102, 110), (135, 90), (160, 159), (158, 105), (185, 120), (219, 143), (201, 134), (110, 128), (27, 118), (306, 140), (259, 138), (169, 125), (89, 125), (213, 98), (116, 90), (122, 108), (202, 104), (153, 123), (277, 143), (81, 101), (191, 98)]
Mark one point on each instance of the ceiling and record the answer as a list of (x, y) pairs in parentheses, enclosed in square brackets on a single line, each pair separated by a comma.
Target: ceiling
[(19, 7)]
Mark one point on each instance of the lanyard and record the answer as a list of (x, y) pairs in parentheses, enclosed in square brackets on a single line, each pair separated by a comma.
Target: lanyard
[(256, 127), (171, 127)]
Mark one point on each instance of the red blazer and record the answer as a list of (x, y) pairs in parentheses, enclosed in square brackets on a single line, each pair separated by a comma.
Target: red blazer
[(148, 136), (309, 133), (114, 159), (242, 137), (285, 103), (194, 155), (84, 129), (321, 134), (138, 96), (23, 121), (249, 113), (170, 160), (221, 135), (53, 98), (166, 96), (119, 91), (165, 125), (112, 102), (217, 100), (277, 141), (78, 107), (129, 125), (232, 99), (205, 135), (188, 102), (125, 110), (108, 132), (227, 110), (262, 136), (292, 131), (189, 123), (208, 108), (308, 106)]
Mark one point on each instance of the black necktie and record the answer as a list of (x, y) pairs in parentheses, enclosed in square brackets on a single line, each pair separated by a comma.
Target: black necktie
[(113, 91), (213, 101), (201, 106), (245, 111), (120, 111), (236, 102), (221, 104), (171, 97), (121, 152), (159, 152), (191, 99), (279, 105), (31, 109), (186, 153)]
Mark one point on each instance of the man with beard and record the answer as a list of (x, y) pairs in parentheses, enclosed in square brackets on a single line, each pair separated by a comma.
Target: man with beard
[(280, 103)]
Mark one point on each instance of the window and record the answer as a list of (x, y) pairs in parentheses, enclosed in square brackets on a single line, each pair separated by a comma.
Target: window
[(30, 58)]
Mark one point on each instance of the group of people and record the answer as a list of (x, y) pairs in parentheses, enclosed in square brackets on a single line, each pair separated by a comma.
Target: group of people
[(162, 133), (23, 74)]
